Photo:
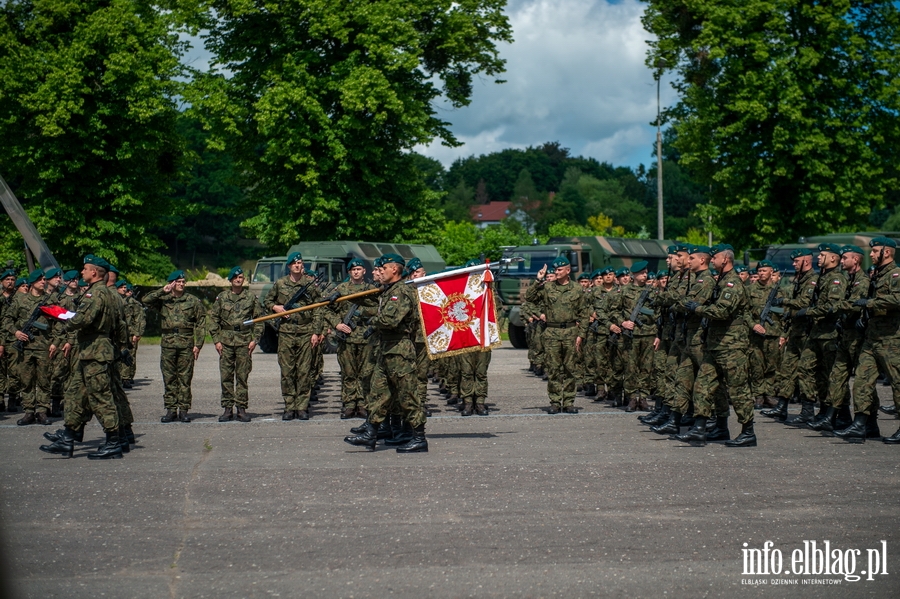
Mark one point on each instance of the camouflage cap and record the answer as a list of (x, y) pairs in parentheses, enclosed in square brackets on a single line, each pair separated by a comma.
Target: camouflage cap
[(237, 270), (294, 257), (561, 261), (883, 241), (832, 248), (698, 249), (354, 263), (639, 266), (34, 276), (799, 252), (393, 259), (175, 275), (852, 249)]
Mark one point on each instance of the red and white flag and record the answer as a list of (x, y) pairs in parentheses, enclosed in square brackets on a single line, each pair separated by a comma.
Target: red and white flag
[(57, 312), (457, 311)]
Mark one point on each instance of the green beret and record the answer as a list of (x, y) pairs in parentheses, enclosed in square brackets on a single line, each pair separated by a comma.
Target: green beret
[(354, 263), (852, 249), (378, 263), (70, 275), (551, 270), (829, 247), (885, 241), (639, 266), (698, 249), (622, 272), (720, 247), (584, 276), (662, 273), (561, 261), (765, 264), (752, 271), (393, 259), (684, 247), (20, 281), (121, 283), (596, 273), (112, 268), (309, 273), (672, 249), (237, 270), (800, 252), (82, 283), (53, 272), (472, 262), (96, 261), (294, 257), (34, 276), (178, 274), (129, 286), (8, 273), (739, 268), (651, 275)]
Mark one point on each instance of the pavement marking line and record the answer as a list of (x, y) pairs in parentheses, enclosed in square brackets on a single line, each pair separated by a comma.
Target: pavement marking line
[(174, 578)]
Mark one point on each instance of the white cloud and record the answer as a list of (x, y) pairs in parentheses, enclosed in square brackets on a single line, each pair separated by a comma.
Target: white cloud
[(575, 74)]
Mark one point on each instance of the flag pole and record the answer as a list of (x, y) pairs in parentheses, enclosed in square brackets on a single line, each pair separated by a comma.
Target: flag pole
[(459, 271)]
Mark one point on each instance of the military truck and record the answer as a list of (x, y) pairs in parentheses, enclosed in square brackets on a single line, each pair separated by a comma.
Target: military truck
[(584, 253), (780, 254), (330, 259)]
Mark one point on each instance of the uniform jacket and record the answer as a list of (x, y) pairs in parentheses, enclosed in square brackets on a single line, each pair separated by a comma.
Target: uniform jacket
[(185, 313), (227, 315)]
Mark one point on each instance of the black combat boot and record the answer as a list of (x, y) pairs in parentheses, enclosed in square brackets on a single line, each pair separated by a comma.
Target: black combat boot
[(590, 390), (170, 416), (418, 443), (844, 418), (452, 400), (56, 407), (696, 437), (889, 410), (779, 412), (872, 431), (123, 442), (242, 415), (856, 432), (42, 418), (807, 412), (720, 430), (747, 438), (385, 429), (129, 434), (27, 419), (111, 450), (481, 409), (672, 426), (56, 436), (658, 418), (367, 438), (468, 409), (657, 408), (64, 445), (825, 422), (893, 439), (402, 435), (183, 416), (227, 415)]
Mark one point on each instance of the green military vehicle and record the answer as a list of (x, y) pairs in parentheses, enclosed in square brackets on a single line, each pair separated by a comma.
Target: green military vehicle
[(584, 253), (780, 254), (329, 259)]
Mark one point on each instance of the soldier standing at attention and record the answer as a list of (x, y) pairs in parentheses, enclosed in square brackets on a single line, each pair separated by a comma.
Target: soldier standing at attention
[(136, 321), (565, 309), (639, 334), (8, 283), (183, 333), (235, 342), (91, 383), (298, 334), (765, 351), (394, 379)]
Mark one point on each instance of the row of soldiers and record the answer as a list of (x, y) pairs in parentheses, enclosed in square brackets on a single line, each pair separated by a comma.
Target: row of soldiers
[(696, 339)]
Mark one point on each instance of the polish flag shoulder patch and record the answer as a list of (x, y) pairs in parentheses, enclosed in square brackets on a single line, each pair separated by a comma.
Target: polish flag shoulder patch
[(394, 298), (836, 282), (730, 284)]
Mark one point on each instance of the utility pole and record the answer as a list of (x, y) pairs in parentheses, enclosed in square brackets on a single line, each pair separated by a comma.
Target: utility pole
[(660, 228)]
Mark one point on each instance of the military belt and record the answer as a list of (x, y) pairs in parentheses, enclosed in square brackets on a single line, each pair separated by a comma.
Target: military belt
[(178, 331), (394, 337), (561, 325)]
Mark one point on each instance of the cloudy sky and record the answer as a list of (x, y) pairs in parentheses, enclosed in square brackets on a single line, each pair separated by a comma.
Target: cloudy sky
[(575, 74)]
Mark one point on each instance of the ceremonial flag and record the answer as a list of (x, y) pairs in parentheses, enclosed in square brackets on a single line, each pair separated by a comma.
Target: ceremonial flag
[(57, 312), (457, 311)]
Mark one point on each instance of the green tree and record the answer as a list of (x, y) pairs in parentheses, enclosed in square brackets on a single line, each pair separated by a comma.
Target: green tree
[(787, 109), (88, 121), (458, 202), (321, 102)]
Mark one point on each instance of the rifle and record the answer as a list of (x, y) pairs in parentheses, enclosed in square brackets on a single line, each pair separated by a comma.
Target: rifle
[(341, 336), (638, 310), (764, 317), (863, 322), (704, 322), (292, 303), (32, 324)]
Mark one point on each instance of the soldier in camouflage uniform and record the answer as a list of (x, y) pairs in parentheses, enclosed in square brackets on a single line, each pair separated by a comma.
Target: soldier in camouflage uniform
[(90, 381), (63, 362), (600, 331), (474, 369), (8, 283), (183, 330), (638, 334), (137, 322), (662, 343), (805, 282), (394, 380), (235, 343), (881, 345), (351, 343), (837, 415), (724, 362), (765, 351), (566, 310), (298, 335)]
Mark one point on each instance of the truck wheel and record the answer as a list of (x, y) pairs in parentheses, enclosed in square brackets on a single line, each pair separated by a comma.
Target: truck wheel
[(517, 336), (269, 341)]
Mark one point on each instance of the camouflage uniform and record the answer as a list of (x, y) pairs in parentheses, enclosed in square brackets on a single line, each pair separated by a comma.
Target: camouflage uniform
[(850, 341), (599, 333), (725, 356), (881, 346), (820, 349), (121, 341), (351, 352), (137, 322), (6, 376), (673, 332), (765, 353), (701, 291), (637, 348), (226, 318), (567, 310), (295, 351), (183, 328), (801, 295)]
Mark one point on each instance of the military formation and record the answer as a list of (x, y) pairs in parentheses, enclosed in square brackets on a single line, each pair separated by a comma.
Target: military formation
[(706, 336)]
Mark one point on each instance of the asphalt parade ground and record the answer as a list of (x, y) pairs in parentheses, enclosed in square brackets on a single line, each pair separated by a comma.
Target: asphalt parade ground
[(516, 504)]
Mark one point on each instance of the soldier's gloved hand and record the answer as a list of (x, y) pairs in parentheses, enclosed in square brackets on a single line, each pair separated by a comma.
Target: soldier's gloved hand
[(333, 297), (691, 306), (860, 325), (861, 303), (801, 313), (778, 301)]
